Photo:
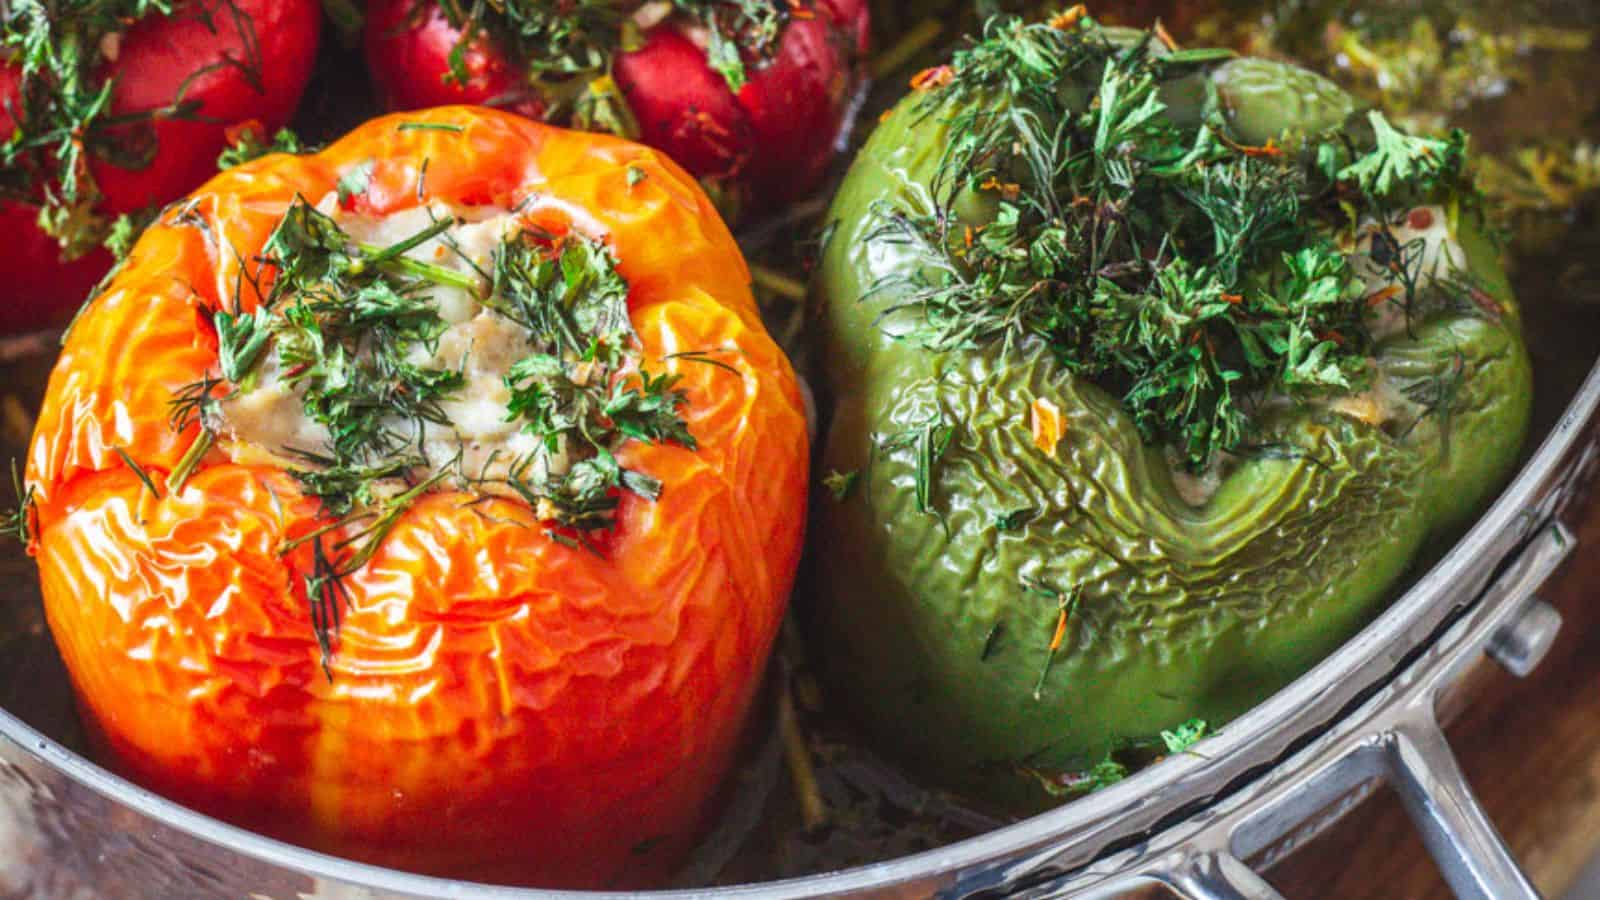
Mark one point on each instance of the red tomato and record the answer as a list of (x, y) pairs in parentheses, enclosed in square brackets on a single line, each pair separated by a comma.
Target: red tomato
[(236, 74), (770, 142)]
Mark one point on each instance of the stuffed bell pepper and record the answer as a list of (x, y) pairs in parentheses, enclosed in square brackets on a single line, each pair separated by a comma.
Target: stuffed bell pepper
[(748, 95), (432, 501), (109, 110), (1152, 372)]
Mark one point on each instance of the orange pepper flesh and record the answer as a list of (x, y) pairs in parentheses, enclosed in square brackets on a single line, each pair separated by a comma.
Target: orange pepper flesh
[(501, 707)]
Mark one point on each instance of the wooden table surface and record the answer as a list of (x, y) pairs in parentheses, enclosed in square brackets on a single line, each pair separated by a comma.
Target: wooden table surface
[(1531, 748)]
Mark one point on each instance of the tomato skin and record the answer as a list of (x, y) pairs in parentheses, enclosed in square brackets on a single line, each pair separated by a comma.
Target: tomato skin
[(771, 141), (41, 289), (154, 59), (502, 707), (408, 51)]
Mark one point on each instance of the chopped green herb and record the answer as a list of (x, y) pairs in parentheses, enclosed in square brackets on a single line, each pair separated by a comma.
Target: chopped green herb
[(354, 182), (1103, 774), (240, 341), (1189, 275), (840, 484), (635, 176), (138, 470), (18, 523), (1416, 166), (190, 461), (1065, 604), (1184, 736), (62, 50), (125, 230), (929, 441), (326, 594), (249, 144), (705, 357), (1436, 398), (569, 48), (992, 640), (572, 393)]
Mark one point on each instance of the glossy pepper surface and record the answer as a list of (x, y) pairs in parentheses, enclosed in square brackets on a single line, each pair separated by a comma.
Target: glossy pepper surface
[(768, 141), (179, 83), (498, 706), (1005, 611)]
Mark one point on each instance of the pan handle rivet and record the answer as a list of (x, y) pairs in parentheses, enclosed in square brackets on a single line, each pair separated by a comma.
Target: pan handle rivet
[(1522, 644)]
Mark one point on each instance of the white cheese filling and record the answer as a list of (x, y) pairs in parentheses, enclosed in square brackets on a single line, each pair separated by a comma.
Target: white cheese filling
[(266, 418), (1431, 253)]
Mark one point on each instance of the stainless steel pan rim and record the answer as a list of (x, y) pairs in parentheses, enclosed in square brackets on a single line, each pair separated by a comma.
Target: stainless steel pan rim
[(1050, 844)]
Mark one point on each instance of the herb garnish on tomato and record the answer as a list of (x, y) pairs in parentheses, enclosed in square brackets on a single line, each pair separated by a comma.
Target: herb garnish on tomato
[(749, 95), (113, 108), (63, 115), (61, 110), (577, 41)]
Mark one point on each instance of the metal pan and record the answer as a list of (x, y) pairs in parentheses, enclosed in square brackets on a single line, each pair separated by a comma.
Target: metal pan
[(1254, 792)]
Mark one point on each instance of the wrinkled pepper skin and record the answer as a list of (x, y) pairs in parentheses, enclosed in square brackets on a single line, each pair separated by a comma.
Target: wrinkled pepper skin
[(1186, 611), (501, 707), (769, 143), (160, 59)]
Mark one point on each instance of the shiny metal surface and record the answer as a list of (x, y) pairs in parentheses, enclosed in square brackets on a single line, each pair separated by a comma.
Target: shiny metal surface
[(1523, 643), (1394, 736), (1255, 791)]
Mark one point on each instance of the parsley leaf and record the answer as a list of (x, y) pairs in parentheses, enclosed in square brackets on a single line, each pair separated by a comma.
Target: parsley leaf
[(1418, 165), (354, 182), (1184, 736)]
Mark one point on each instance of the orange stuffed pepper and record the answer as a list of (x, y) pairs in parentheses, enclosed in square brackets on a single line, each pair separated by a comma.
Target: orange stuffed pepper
[(432, 500)]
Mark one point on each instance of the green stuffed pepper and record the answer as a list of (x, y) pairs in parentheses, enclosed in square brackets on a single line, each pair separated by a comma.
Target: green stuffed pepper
[(1150, 373)]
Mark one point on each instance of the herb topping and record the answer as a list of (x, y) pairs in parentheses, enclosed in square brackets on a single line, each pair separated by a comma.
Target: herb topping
[(352, 333), (1190, 275), (62, 110)]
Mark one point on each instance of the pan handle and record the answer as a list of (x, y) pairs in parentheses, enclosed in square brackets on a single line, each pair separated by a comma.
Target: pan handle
[(1220, 876), (1471, 855), (1393, 738), (1406, 748), (1418, 764)]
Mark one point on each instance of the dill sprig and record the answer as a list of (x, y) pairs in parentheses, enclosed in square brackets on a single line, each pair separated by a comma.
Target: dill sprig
[(17, 523), (928, 440), (569, 48), (62, 111), (250, 142), (572, 393), (352, 329), (1151, 253), (341, 319)]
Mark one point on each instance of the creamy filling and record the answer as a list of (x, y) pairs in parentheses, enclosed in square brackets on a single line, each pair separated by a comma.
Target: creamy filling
[(1432, 253), (266, 419), (1430, 249)]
